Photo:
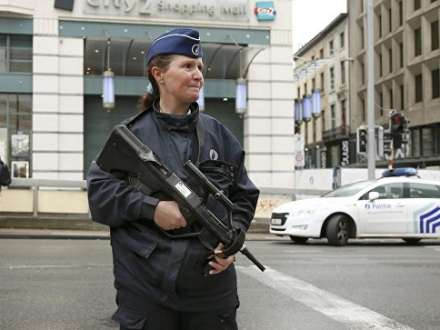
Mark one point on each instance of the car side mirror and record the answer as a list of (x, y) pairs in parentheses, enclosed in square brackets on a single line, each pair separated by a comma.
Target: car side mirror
[(373, 195)]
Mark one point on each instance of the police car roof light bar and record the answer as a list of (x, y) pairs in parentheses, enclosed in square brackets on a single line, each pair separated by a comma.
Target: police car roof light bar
[(403, 171)]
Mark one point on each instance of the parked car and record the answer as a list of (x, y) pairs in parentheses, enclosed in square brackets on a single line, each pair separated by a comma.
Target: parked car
[(398, 205)]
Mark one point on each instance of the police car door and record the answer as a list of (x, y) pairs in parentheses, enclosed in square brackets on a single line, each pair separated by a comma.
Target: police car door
[(424, 208), (385, 216)]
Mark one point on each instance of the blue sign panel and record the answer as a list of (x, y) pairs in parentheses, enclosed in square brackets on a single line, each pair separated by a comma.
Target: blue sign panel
[(265, 11)]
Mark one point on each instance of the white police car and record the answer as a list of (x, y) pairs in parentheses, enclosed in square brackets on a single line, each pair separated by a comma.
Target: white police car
[(398, 205)]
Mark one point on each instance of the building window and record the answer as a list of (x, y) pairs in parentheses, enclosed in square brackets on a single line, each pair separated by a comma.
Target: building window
[(390, 59), (401, 54), (417, 4), (390, 20), (435, 78), (342, 39), (306, 133), (342, 72), (402, 97), (419, 88), (380, 65), (321, 53), (362, 73), (417, 42), (362, 37), (298, 92), (364, 112), (322, 82), (332, 116), (427, 142), (331, 47), (415, 139), (323, 121), (390, 93), (313, 84), (434, 36), (343, 114), (15, 53), (379, 20), (305, 89), (400, 13), (314, 129), (332, 78), (16, 128), (381, 104)]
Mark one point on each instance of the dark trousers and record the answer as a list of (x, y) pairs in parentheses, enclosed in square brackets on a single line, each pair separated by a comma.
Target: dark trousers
[(165, 319)]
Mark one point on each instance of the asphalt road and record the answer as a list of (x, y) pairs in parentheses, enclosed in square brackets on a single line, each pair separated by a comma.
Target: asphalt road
[(67, 284)]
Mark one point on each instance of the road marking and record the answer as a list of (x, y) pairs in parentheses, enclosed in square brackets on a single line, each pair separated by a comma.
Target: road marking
[(435, 248), (329, 304)]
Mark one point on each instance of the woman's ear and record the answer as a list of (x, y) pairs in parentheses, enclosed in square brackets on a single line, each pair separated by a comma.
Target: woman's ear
[(156, 73)]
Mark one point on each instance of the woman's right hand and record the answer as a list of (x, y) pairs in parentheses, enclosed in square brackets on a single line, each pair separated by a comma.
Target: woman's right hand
[(168, 216)]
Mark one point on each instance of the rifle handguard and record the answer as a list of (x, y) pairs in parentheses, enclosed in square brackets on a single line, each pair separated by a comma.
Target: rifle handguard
[(236, 244)]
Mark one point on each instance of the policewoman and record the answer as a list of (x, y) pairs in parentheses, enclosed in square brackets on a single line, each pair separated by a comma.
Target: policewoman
[(162, 283)]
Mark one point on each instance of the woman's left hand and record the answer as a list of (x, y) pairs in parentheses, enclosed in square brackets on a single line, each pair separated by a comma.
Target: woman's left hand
[(220, 262)]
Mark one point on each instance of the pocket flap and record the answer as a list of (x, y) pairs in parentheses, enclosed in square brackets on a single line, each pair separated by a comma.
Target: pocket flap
[(145, 250), (130, 319)]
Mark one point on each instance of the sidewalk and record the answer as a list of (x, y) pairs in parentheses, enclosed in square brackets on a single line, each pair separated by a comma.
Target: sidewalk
[(95, 234)]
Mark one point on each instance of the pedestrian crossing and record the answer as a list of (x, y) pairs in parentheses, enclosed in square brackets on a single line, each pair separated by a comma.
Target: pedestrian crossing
[(353, 316)]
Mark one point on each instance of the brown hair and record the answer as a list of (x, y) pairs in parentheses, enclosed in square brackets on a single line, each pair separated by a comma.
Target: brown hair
[(162, 62)]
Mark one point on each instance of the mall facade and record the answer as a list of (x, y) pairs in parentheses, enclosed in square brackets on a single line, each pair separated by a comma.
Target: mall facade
[(53, 55)]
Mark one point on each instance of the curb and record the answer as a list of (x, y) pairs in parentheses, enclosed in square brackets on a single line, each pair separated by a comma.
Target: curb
[(8, 233), (63, 223)]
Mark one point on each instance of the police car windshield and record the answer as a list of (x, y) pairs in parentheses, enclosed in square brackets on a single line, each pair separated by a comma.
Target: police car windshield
[(349, 189)]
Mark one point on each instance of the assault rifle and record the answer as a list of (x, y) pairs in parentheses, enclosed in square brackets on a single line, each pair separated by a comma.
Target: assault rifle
[(124, 152)]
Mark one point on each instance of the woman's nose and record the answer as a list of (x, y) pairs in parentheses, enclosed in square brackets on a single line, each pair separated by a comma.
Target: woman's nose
[(198, 74)]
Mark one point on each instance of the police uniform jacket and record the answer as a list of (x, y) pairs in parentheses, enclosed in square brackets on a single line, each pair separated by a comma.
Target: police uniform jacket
[(148, 266)]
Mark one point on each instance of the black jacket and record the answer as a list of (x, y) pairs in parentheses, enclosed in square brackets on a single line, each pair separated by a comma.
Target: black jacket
[(147, 265)]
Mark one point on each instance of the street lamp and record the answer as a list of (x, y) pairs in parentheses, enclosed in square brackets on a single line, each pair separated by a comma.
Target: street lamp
[(240, 96), (307, 108), (108, 87), (108, 90), (298, 114), (316, 103)]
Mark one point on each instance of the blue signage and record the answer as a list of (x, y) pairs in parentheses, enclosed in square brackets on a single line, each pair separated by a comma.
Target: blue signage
[(265, 10)]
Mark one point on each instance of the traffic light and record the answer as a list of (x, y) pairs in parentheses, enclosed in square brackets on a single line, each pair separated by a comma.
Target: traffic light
[(398, 126), (362, 140)]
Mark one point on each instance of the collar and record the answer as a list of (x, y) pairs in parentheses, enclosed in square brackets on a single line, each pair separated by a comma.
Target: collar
[(171, 122)]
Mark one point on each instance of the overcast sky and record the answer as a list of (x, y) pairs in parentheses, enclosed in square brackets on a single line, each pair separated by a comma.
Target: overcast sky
[(311, 16)]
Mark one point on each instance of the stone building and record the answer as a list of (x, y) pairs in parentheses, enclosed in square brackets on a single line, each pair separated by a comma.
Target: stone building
[(323, 65), (407, 78)]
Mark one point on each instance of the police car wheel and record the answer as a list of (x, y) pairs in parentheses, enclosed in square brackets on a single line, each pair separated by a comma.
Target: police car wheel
[(338, 230), (298, 240), (412, 241)]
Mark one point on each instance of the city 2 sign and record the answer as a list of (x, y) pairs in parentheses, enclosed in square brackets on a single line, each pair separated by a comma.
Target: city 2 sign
[(225, 10)]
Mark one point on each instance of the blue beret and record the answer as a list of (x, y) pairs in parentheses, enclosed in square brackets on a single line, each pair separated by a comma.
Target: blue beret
[(178, 41)]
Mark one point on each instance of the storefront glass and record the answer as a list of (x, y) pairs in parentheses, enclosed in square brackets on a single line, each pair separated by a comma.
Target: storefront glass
[(15, 53), (16, 129)]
